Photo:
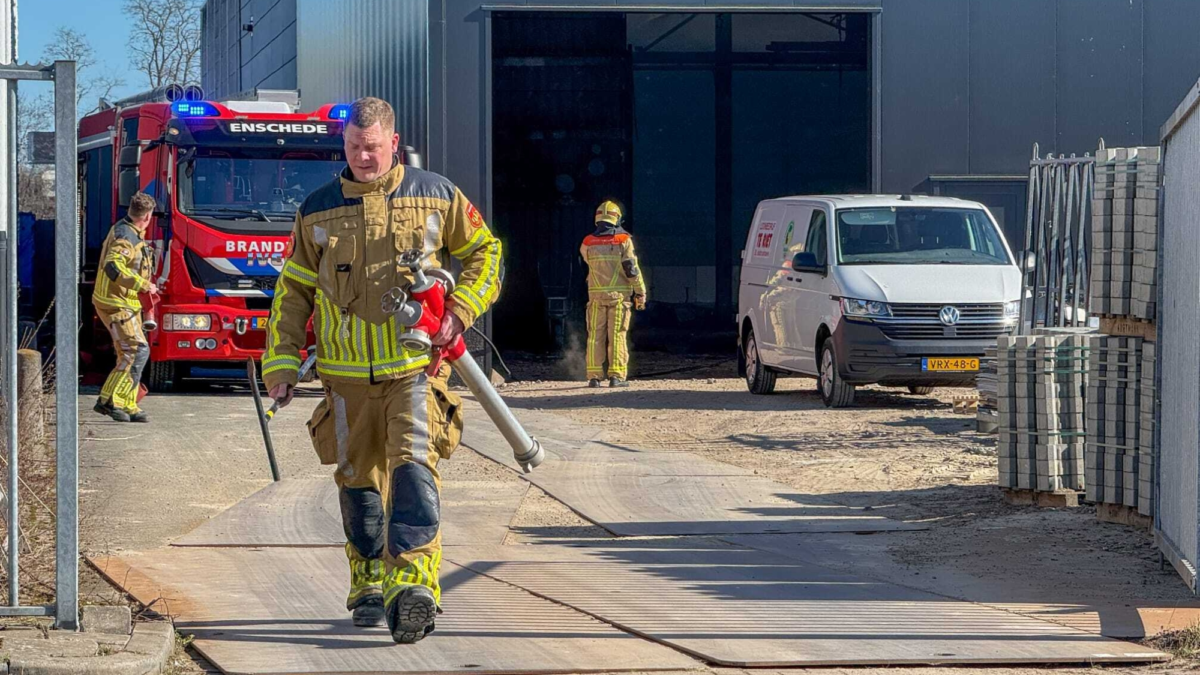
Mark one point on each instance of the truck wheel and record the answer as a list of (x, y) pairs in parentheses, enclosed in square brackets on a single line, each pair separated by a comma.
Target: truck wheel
[(834, 391), (759, 378), (162, 376), (921, 391)]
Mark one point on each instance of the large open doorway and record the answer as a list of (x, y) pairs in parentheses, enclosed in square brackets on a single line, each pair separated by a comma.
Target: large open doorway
[(689, 120)]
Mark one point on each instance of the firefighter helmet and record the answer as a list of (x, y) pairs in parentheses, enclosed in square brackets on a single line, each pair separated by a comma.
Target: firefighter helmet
[(609, 212)]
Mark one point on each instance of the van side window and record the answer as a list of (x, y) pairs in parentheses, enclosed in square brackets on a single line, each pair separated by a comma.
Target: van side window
[(816, 242)]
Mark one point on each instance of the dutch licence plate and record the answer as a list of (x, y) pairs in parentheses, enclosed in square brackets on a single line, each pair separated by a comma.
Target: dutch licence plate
[(950, 365), (260, 322)]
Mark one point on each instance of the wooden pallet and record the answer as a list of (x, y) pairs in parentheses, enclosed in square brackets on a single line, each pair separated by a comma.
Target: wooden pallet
[(965, 405), (1057, 499), (1128, 326), (1123, 515)]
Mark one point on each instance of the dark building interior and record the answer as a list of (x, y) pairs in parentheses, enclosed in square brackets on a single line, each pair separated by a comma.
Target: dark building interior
[(689, 120)]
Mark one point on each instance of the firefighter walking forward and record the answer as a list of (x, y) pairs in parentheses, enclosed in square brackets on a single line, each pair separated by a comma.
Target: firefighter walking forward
[(614, 278), (125, 267), (384, 422)]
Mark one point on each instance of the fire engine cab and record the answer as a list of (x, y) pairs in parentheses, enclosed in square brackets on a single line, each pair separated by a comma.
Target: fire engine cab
[(228, 177)]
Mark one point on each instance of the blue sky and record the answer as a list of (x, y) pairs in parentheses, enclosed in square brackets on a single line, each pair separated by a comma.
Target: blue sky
[(100, 20)]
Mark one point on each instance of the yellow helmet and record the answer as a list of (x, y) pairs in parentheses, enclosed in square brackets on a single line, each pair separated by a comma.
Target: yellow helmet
[(609, 212)]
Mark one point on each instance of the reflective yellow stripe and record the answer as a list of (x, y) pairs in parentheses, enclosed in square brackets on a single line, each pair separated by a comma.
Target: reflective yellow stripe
[(281, 362), (473, 243), (464, 294), (273, 337), (298, 274)]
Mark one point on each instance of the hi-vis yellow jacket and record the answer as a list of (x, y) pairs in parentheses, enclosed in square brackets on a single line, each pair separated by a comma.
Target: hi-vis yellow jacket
[(342, 260), (125, 264), (613, 271)]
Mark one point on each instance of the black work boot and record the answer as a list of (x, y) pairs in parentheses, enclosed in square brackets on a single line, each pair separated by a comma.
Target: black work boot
[(139, 416), (119, 415), (615, 382), (593, 383), (411, 615), (368, 613), (103, 407)]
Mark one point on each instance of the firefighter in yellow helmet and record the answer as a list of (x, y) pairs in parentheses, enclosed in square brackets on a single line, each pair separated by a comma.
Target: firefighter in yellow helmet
[(125, 265), (385, 421), (614, 279)]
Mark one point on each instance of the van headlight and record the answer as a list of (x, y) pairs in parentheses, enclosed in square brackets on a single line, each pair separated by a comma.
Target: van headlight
[(1012, 309), (865, 308), (202, 322)]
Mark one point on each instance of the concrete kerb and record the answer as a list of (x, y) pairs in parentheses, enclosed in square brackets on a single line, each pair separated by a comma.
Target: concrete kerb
[(145, 652)]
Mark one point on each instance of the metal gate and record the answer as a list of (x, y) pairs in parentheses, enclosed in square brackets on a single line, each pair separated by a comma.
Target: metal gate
[(1057, 248), (65, 609)]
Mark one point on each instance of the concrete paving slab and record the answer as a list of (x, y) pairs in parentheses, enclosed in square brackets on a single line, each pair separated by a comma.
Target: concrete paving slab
[(278, 610), (735, 606), (631, 492), (305, 512)]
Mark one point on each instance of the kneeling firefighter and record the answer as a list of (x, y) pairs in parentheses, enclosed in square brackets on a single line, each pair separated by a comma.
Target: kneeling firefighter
[(385, 421), (614, 278)]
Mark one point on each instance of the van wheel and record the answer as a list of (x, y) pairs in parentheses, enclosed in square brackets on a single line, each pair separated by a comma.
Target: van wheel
[(162, 376), (759, 378), (834, 391), (921, 391)]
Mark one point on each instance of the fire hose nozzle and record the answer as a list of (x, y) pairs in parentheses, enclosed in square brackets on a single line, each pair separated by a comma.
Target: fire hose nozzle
[(532, 458)]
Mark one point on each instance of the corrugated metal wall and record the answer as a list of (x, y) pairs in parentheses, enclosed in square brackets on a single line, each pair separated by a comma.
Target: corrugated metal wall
[(980, 81), (1178, 350), (355, 48), (235, 60)]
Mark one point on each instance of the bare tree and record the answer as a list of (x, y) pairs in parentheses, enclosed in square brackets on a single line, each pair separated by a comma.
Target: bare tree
[(165, 41), (69, 44)]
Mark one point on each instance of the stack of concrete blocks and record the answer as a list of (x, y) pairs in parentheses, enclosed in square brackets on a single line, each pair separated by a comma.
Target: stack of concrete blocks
[(1124, 232), (1114, 456), (1041, 389), (1147, 450)]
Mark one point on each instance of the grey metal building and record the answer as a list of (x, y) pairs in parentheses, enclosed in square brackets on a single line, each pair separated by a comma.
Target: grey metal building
[(690, 112), (248, 44)]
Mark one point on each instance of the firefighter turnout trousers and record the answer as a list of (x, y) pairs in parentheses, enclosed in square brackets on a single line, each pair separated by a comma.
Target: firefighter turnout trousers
[(386, 440), (608, 331), (132, 351)]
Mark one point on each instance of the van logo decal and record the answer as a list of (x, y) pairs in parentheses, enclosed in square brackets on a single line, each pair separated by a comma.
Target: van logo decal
[(949, 315)]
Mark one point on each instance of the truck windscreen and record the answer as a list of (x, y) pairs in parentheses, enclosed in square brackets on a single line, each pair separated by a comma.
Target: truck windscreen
[(216, 185)]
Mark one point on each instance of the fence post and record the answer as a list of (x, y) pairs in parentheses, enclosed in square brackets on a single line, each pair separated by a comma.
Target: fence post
[(30, 427), (66, 394)]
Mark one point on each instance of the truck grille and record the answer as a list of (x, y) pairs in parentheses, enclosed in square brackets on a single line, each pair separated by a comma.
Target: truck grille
[(921, 322)]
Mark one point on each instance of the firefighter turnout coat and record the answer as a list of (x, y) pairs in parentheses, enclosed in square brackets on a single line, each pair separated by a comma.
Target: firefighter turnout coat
[(342, 261)]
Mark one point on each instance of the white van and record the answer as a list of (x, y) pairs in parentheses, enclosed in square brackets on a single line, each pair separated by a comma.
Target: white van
[(903, 291)]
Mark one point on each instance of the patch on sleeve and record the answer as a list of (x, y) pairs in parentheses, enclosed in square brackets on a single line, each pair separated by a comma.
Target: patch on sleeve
[(473, 216), (290, 248)]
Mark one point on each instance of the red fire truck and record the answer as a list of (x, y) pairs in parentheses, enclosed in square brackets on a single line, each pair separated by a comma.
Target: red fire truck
[(228, 177)]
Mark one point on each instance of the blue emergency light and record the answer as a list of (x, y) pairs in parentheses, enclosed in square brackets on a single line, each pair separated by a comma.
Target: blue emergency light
[(194, 109), (340, 113)]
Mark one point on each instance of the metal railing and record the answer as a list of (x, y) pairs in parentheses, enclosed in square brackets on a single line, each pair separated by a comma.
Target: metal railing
[(1055, 259), (65, 609)]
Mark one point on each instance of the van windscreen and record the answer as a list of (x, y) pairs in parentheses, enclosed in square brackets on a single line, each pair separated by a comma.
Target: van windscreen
[(918, 236)]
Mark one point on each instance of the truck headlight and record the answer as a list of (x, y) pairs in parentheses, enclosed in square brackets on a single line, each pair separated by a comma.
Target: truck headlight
[(1012, 309), (865, 308), (195, 322)]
